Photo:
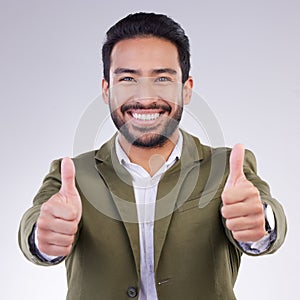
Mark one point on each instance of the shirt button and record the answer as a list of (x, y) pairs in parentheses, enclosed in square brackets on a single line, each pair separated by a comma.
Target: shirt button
[(132, 292)]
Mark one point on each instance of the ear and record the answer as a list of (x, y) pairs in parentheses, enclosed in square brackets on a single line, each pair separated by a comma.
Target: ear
[(105, 91), (187, 90)]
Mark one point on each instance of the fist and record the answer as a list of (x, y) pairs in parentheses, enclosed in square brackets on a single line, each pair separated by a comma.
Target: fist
[(242, 207), (60, 215)]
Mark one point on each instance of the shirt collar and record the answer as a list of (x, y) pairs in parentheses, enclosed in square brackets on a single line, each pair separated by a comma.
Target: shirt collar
[(175, 154)]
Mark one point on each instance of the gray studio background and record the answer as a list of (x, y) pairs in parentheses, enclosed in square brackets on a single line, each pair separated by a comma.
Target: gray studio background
[(245, 64)]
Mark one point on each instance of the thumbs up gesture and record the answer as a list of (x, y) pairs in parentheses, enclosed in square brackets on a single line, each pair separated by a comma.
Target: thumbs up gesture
[(60, 215), (242, 207)]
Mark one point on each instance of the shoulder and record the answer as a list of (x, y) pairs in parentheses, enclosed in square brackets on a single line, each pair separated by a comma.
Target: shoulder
[(222, 153), (85, 155), (101, 153)]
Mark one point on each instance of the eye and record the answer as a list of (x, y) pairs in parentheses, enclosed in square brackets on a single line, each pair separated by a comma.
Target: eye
[(127, 78), (163, 79)]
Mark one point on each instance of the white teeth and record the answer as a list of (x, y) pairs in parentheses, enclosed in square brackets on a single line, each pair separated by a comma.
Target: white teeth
[(145, 117)]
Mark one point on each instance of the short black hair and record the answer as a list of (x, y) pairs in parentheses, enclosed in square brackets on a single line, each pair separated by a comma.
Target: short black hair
[(147, 24)]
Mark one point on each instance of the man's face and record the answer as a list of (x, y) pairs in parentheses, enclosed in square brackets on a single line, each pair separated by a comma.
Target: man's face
[(146, 94)]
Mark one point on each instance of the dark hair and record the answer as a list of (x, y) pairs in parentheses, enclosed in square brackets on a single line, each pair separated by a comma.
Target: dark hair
[(148, 24)]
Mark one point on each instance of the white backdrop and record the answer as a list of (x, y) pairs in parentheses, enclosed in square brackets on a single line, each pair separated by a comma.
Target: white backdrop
[(245, 64)]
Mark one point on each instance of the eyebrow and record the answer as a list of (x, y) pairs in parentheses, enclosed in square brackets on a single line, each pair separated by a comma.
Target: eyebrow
[(126, 70), (165, 70), (137, 72)]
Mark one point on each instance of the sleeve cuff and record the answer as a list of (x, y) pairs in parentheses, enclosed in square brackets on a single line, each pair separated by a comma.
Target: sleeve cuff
[(265, 242), (33, 244), (259, 246)]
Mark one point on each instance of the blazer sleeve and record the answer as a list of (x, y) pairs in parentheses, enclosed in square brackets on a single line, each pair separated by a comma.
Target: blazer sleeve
[(250, 170), (50, 186)]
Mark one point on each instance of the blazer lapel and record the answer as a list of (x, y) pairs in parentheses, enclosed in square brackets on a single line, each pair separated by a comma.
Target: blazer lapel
[(171, 193), (118, 180)]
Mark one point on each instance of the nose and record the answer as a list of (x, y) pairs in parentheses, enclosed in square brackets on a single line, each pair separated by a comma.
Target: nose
[(145, 89)]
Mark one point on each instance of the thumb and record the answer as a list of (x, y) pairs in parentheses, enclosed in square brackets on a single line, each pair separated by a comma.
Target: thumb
[(236, 162), (67, 177)]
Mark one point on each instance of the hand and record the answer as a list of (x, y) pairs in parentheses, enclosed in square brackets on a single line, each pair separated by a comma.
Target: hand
[(60, 215), (242, 207)]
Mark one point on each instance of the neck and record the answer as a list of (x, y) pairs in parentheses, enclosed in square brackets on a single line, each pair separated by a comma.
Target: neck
[(151, 159)]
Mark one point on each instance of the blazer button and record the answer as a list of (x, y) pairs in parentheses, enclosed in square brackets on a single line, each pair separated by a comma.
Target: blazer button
[(132, 292)]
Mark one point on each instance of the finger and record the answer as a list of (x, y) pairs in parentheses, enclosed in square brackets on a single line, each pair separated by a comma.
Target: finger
[(242, 209), (58, 209), (54, 250), (249, 235), (54, 238), (245, 190), (246, 223), (57, 225), (234, 210), (236, 163), (67, 177)]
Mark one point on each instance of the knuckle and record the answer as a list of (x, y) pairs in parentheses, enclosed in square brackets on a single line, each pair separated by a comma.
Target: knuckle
[(259, 208), (224, 212), (258, 235), (264, 232), (44, 248), (255, 207), (73, 214), (67, 250), (237, 235), (68, 240), (254, 191), (229, 225), (74, 228), (71, 240), (256, 223), (39, 235), (261, 232), (41, 223), (68, 227), (45, 207), (44, 237), (250, 184), (225, 196), (261, 221)]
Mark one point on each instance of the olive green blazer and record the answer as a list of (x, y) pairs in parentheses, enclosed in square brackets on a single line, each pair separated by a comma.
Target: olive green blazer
[(195, 255)]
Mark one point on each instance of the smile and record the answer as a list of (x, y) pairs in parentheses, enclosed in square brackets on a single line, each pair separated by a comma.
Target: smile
[(146, 117)]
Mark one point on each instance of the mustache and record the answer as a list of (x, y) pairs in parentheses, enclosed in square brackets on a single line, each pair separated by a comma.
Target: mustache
[(132, 106)]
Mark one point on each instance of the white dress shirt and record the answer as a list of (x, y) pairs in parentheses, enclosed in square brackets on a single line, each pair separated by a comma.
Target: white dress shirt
[(145, 190)]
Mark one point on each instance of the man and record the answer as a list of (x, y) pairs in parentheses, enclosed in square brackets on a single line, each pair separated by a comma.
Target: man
[(153, 214)]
